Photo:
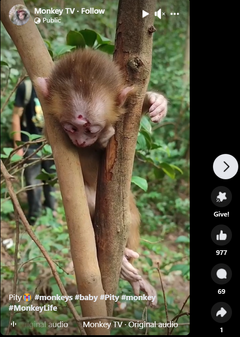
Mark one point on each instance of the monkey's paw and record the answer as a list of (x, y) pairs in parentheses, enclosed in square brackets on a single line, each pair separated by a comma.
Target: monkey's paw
[(128, 272), (158, 107), (148, 289), (105, 137)]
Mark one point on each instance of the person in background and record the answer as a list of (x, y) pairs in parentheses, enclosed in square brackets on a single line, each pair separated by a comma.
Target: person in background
[(28, 116)]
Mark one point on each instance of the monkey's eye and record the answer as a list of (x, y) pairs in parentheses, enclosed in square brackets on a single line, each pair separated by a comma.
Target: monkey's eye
[(87, 130), (94, 129), (70, 128), (91, 132)]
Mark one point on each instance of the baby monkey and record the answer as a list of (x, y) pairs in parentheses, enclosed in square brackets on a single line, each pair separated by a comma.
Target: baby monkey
[(86, 93), (19, 15)]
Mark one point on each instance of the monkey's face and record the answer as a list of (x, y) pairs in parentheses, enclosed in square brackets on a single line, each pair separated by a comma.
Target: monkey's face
[(85, 121), (21, 14), (81, 132)]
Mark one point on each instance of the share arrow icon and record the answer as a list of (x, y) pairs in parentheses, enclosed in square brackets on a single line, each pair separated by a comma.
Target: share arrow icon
[(144, 13)]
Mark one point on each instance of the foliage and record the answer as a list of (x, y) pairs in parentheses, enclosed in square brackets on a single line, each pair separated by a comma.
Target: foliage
[(160, 177)]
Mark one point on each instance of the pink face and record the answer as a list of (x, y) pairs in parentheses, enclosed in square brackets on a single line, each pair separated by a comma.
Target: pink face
[(21, 15), (81, 132)]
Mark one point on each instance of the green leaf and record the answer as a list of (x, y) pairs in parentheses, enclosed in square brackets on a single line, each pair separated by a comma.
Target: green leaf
[(4, 309), (62, 237), (141, 142), (159, 174), (34, 136), (24, 132), (63, 318), (184, 268), (182, 239), (149, 261), (107, 48), (55, 289), (90, 36), (75, 39), (148, 138), (60, 50), (103, 40), (4, 64), (145, 124), (42, 330), (48, 43), (140, 182), (19, 142), (168, 170), (14, 72), (6, 206), (45, 175), (7, 150), (155, 146), (47, 149), (15, 158), (176, 168)]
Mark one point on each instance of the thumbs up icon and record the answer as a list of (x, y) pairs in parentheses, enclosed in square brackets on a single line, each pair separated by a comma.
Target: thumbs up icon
[(222, 236)]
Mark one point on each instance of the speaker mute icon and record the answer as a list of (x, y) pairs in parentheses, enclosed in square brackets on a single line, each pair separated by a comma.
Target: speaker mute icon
[(158, 13)]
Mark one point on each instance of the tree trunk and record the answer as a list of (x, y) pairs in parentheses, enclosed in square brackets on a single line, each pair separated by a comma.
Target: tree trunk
[(37, 62), (133, 53)]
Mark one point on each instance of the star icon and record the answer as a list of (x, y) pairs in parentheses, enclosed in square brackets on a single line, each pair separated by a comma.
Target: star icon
[(221, 196)]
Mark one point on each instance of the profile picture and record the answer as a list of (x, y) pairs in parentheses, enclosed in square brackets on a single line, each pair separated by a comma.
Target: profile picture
[(19, 15)]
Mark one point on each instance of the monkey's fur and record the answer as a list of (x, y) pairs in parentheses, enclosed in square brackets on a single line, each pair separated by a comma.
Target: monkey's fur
[(86, 93)]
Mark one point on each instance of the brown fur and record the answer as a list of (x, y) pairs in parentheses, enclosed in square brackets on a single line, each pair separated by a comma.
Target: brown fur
[(86, 92), (87, 73), (90, 75)]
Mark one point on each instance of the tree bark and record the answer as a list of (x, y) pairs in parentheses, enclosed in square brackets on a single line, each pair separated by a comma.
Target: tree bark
[(133, 54), (37, 62)]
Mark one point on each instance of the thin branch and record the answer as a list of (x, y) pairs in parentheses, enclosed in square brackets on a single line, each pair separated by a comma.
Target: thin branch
[(180, 315), (33, 153), (164, 297), (22, 78), (180, 312)]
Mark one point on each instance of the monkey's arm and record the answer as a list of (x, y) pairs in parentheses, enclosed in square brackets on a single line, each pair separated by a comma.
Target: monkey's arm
[(156, 105), (138, 283)]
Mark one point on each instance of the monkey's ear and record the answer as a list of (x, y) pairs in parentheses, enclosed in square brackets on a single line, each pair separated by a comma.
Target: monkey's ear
[(42, 84), (123, 95)]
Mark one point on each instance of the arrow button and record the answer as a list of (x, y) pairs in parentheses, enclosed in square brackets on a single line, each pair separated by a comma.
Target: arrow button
[(225, 166), (221, 312)]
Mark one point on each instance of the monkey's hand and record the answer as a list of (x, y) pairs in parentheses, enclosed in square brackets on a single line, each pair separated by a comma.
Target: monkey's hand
[(128, 272), (156, 105), (105, 136), (148, 289)]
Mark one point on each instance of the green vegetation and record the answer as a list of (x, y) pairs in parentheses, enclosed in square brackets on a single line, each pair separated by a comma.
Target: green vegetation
[(160, 179)]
